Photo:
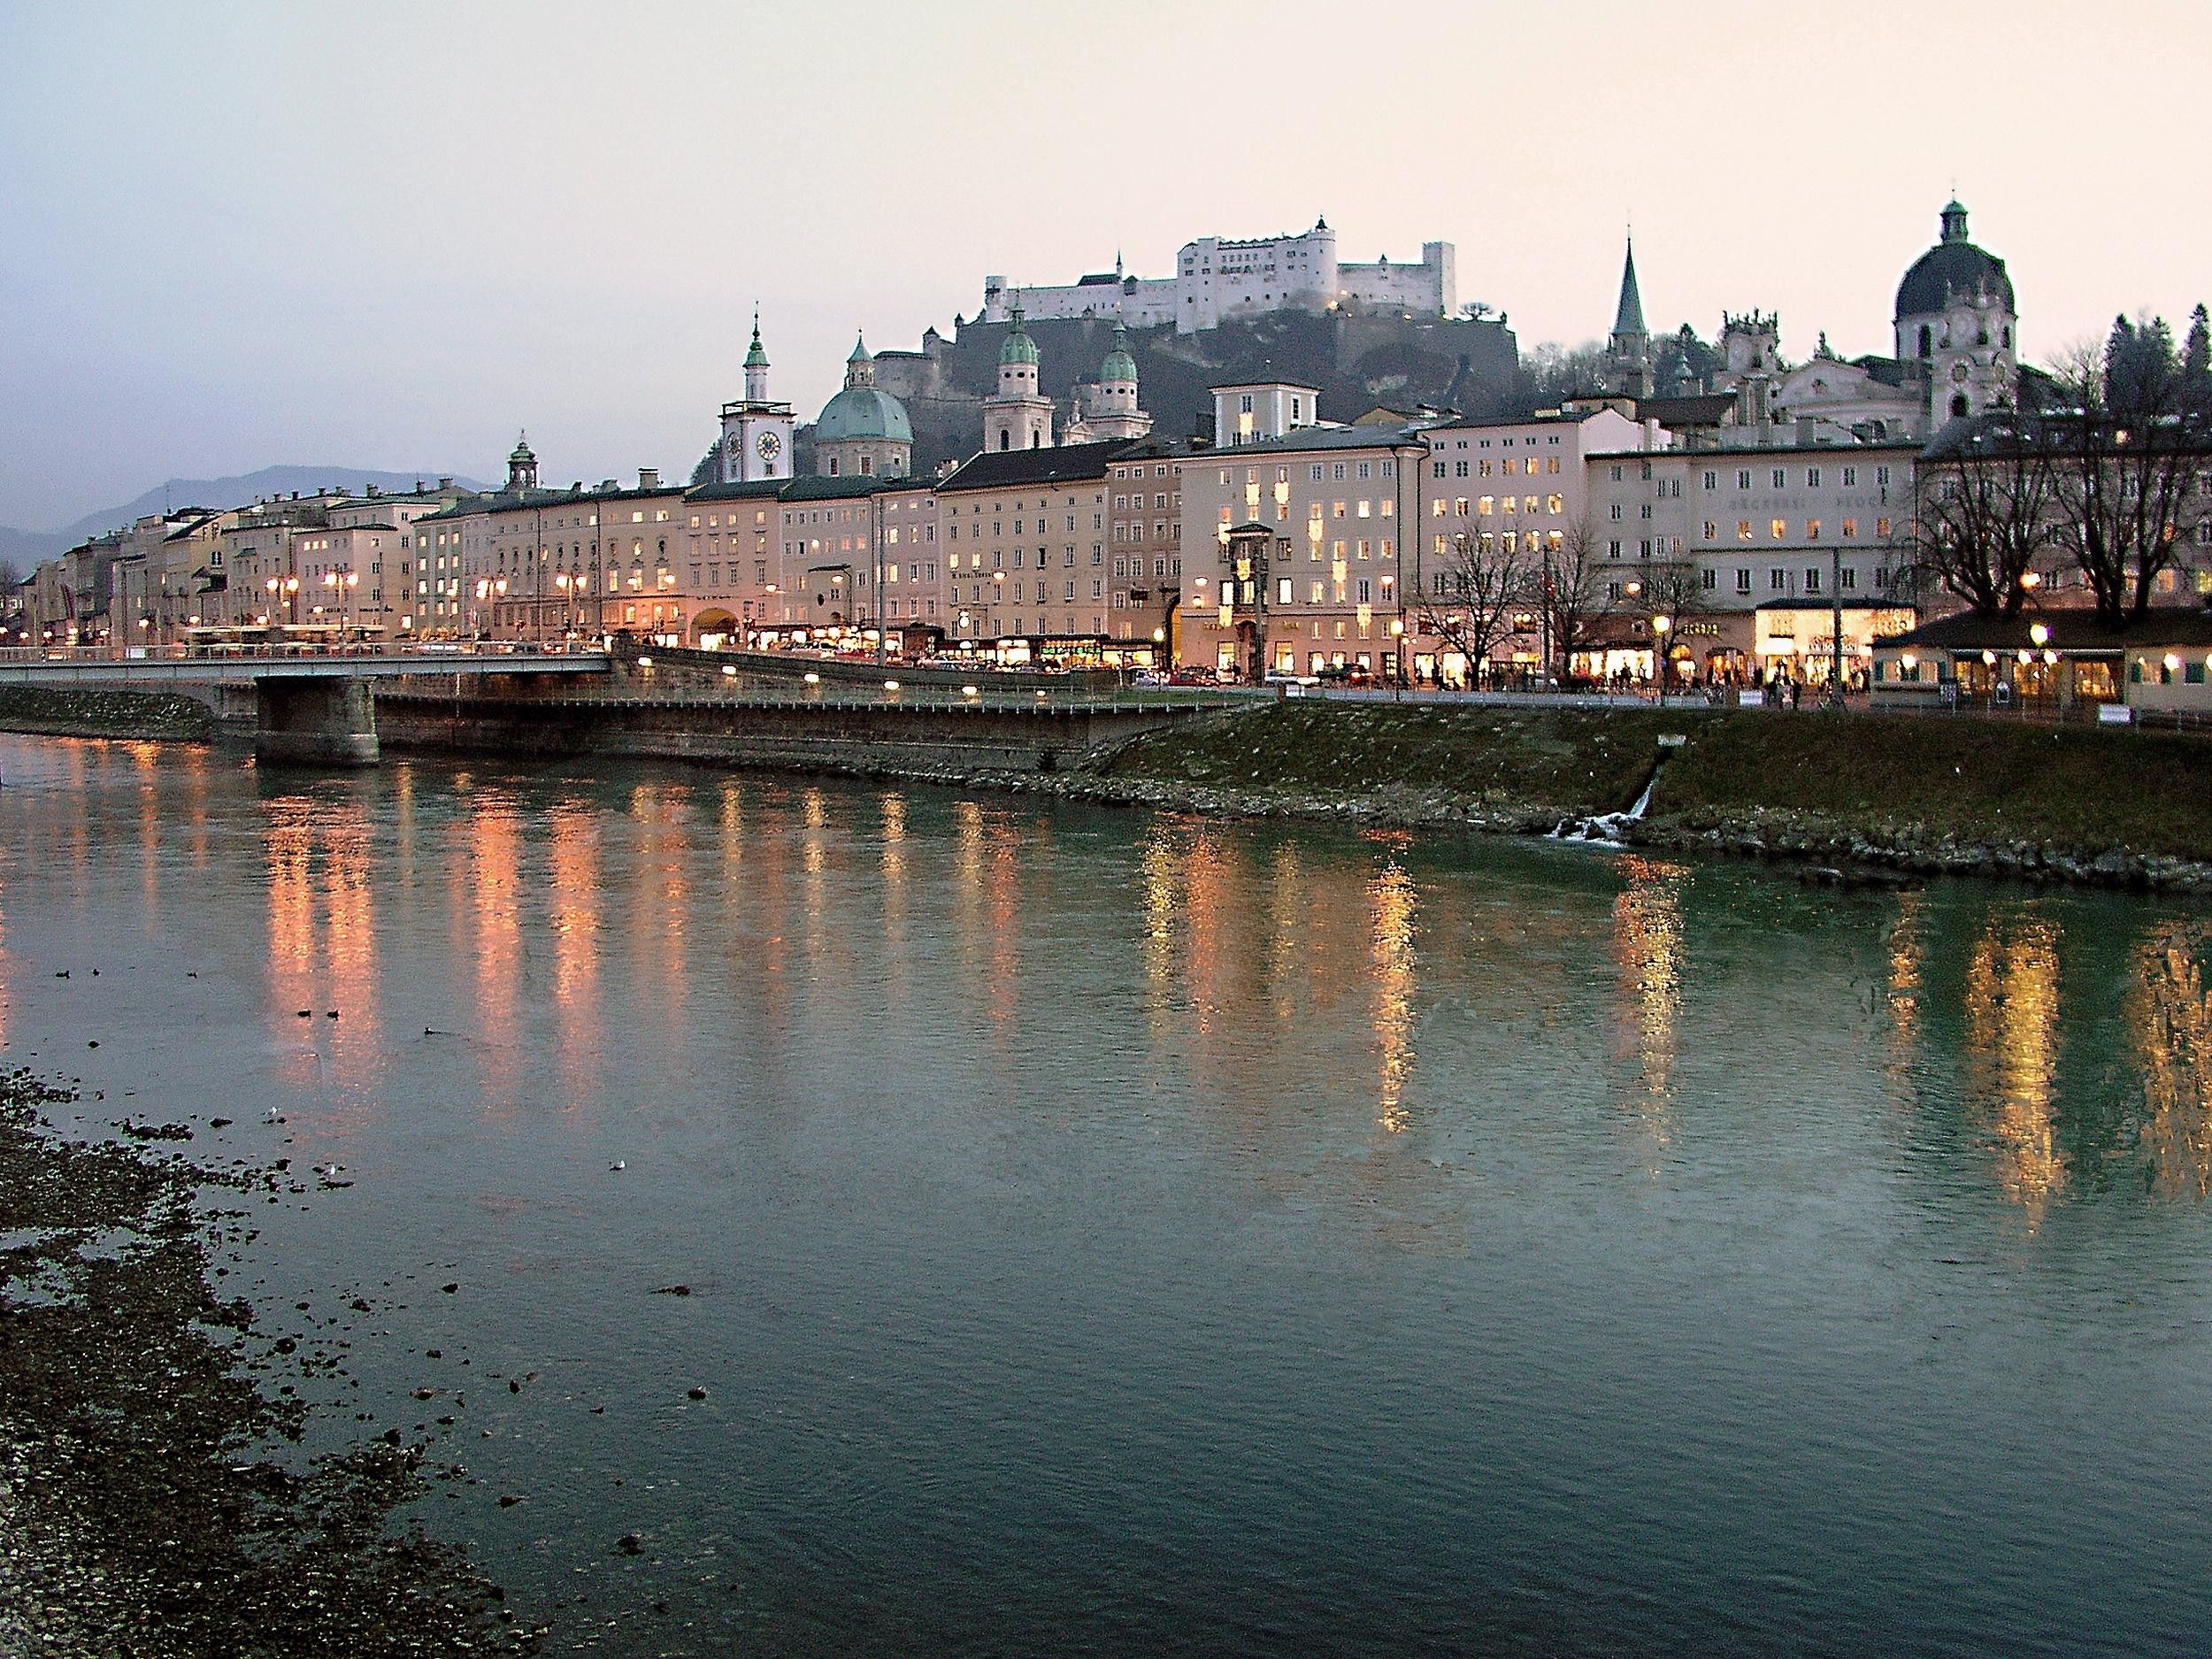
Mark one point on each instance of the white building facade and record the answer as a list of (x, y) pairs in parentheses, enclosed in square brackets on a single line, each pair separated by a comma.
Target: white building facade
[(1219, 279)]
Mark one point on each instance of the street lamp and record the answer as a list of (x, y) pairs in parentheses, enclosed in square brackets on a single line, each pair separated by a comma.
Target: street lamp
[(1659, 625)]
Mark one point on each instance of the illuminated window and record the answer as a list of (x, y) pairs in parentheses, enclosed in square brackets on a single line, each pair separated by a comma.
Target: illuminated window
[(1778, 528), (1743, 529)]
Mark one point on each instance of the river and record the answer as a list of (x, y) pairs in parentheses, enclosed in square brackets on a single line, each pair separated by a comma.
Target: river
[(1125, 1234)]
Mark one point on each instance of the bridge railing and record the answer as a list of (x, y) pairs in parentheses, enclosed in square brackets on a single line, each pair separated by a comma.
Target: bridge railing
[(430, 653)]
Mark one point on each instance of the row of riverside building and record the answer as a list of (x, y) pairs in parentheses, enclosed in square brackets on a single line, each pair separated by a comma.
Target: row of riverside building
[(1716, 532)]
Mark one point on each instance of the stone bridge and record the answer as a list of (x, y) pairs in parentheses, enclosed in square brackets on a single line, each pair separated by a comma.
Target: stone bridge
[(315, 707), (339, 708)]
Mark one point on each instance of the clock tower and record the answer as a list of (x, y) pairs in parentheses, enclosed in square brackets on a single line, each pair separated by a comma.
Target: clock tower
[(756, 434)]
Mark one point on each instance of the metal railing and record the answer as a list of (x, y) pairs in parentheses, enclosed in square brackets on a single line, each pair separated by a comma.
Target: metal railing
[(430, 652)]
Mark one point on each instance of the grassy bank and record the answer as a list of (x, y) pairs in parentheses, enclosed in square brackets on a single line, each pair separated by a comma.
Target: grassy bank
[(1897, 782), (98, 712)]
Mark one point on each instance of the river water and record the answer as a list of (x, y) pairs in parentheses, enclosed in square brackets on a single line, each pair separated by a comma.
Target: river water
[(1123, 1234)]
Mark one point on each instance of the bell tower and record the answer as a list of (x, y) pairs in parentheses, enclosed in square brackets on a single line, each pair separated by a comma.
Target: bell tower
[(756, 433), (1017, 418)]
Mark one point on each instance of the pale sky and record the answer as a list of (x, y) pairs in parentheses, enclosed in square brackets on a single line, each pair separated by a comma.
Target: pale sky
[(391, 236)]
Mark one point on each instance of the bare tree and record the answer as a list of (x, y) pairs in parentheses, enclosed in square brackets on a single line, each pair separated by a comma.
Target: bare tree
[(1988, 498), (1571, 590), (1476, 587), (2130, 454)]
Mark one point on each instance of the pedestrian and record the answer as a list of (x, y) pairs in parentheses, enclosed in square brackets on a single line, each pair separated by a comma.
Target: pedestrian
[(1797, 693)]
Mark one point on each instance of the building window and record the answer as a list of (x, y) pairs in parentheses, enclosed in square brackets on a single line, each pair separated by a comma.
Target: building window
[(1743, 580), (1778, 528), (1778, 579), (1712, 531)]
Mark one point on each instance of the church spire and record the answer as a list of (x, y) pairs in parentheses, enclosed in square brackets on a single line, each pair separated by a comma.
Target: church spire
[(1628, 317), (757, 366)]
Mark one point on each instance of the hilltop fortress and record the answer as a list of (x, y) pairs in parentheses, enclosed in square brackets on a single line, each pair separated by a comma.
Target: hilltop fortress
[(1218, 281)]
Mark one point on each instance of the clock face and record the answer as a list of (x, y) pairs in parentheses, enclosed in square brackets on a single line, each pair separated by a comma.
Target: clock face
[(1958, 372), (770, 446)]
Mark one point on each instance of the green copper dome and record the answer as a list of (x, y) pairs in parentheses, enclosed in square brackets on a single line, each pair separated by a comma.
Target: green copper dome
[(863, 412), (1119, 366), (757, 359), (1019, 348)]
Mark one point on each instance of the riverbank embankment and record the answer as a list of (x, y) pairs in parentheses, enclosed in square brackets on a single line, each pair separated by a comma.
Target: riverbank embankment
[(1913, 794), (104, 711), (1909, 794)]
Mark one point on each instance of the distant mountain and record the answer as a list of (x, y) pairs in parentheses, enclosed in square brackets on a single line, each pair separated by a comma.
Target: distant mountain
[(26, 548)]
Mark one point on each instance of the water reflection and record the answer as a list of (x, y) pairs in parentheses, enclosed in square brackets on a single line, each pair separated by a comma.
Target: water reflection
[(357, 1043), (1390, 930), (2012, 1022), (2168, 1016), (493, 834), (573, 828), (1648, 961), (289, 848)]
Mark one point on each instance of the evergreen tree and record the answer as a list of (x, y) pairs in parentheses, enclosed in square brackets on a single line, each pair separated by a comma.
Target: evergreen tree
[(2196, 364), (2140, 367)]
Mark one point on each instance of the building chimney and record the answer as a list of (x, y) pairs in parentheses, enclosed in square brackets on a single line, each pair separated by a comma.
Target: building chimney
[(445, 483), (648, 478)]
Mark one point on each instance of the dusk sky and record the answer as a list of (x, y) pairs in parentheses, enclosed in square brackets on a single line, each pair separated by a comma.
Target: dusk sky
[(391, 236)]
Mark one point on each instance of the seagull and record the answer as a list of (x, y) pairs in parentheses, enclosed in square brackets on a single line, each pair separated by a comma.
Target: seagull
[(617, 1164)]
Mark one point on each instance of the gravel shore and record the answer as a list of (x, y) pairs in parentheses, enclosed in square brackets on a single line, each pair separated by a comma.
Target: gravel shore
[(148, 1506)]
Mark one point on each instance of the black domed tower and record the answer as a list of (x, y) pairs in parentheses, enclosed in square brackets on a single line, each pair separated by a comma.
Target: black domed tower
[(1956, 325)]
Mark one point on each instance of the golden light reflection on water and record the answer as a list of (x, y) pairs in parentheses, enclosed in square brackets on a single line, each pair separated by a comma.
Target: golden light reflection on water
[(660, 904), (357, 1041), (2167, 1012), (1907, 984), (289, 847), (1390, 902), (2012, 1031), (145, 764), (1649, 963), (892, 811), (1286, 916), (1157, 864), (575, 833), (493, 830)]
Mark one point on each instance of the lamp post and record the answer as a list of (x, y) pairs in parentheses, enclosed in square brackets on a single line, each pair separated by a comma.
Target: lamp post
[(1659, 625), (1835, 627)]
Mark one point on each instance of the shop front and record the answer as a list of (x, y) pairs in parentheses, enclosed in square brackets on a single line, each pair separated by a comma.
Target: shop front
[(1795, 642)]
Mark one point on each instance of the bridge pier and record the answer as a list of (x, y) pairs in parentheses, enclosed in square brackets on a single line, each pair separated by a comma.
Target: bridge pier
[(316, 722)]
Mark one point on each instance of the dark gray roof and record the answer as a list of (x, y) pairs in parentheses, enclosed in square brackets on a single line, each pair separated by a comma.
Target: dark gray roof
[(2070, 629), (747, 489), (1325, 438), (1008, 469), (1705, 409)]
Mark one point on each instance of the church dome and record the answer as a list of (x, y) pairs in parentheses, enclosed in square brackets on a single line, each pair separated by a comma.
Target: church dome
[(1119, 366), (1953, 268), (1019, 348), (863, 412)]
